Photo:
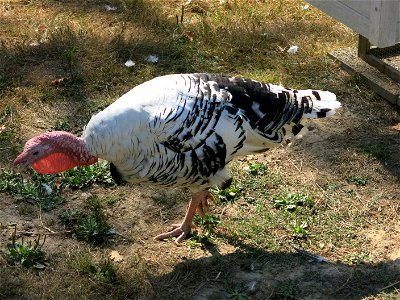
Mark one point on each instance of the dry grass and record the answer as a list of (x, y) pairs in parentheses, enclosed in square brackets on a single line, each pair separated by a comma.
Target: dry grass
[(355, 226)]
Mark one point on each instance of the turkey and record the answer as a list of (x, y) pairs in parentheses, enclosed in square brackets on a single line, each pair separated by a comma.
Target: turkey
[(182, 130)]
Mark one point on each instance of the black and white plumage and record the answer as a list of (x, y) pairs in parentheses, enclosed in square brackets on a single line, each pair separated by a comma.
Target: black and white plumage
[(182, 130)]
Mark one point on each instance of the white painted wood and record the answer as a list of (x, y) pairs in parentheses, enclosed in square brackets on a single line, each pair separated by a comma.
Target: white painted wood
[(341, 11), (361, 7), (375, 17), (377, 20), (383, 22)]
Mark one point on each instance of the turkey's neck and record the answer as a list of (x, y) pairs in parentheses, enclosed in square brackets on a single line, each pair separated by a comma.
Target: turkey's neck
[(77, 148)]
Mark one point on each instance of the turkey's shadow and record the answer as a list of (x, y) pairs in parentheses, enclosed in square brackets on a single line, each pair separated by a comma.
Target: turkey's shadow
[(259, 274)]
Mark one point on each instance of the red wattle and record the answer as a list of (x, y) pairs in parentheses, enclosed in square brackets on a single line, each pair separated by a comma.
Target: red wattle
[(55, 163)]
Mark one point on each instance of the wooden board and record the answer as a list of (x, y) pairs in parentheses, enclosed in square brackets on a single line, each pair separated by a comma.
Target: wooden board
[(379, 82), (341, 11), (377, 20)]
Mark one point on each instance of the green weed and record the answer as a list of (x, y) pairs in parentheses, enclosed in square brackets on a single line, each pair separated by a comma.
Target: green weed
[(379, 151), (356, 80), (93, 228), (5, 83), (200, 241), (62, 124), (78, 178), (358, 258), (111, 200), (257, 169), (208, 224), (359, 180), (39, 189), (89, 224), (45, 189), (286, 290), (27, 253), (7, 136), (291, 201), (237, 292), (70, 217), (10, 181), (102, 269), (7, 112), (300, 230), (69, 57), (229, 194)]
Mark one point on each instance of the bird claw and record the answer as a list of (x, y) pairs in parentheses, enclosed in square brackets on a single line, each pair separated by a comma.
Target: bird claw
[(178, 230), (199, 204)]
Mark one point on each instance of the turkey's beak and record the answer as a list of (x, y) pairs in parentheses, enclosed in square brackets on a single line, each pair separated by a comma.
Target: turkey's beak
[(21, 161)]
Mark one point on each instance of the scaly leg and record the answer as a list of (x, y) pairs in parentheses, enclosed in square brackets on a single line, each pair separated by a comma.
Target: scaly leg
[(197, 203)]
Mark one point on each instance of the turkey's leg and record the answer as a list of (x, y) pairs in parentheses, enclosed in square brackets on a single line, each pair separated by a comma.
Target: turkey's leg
[(197, 203)]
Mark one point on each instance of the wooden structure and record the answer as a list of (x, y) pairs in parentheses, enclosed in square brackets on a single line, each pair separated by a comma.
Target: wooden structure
[(377, 20), (374, 56), (378, 23)]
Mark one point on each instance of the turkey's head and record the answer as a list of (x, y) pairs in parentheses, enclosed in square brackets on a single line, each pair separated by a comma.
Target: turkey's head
[(54, 152)]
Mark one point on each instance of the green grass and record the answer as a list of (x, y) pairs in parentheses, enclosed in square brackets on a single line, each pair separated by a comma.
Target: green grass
[(5, 83), (229, 194), (257, 169), (358, 258), (379, 151), (300, 230), (104, 271), (99, 269), (207, 226), (45, 190), (280, 209)]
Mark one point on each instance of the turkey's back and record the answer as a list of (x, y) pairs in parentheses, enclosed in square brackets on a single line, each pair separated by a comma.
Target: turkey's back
[(269, 114)]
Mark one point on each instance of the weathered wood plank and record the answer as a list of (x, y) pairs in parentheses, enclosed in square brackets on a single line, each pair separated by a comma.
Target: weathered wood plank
[(379, 82), (378, 20), (361, 7), (383, 22), (348, 16)]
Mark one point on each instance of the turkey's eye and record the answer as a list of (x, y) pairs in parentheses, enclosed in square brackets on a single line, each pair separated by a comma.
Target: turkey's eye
[(35, 153)]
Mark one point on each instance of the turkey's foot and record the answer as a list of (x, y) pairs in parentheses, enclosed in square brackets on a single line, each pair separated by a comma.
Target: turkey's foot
[(180, 231), (199, 203)]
